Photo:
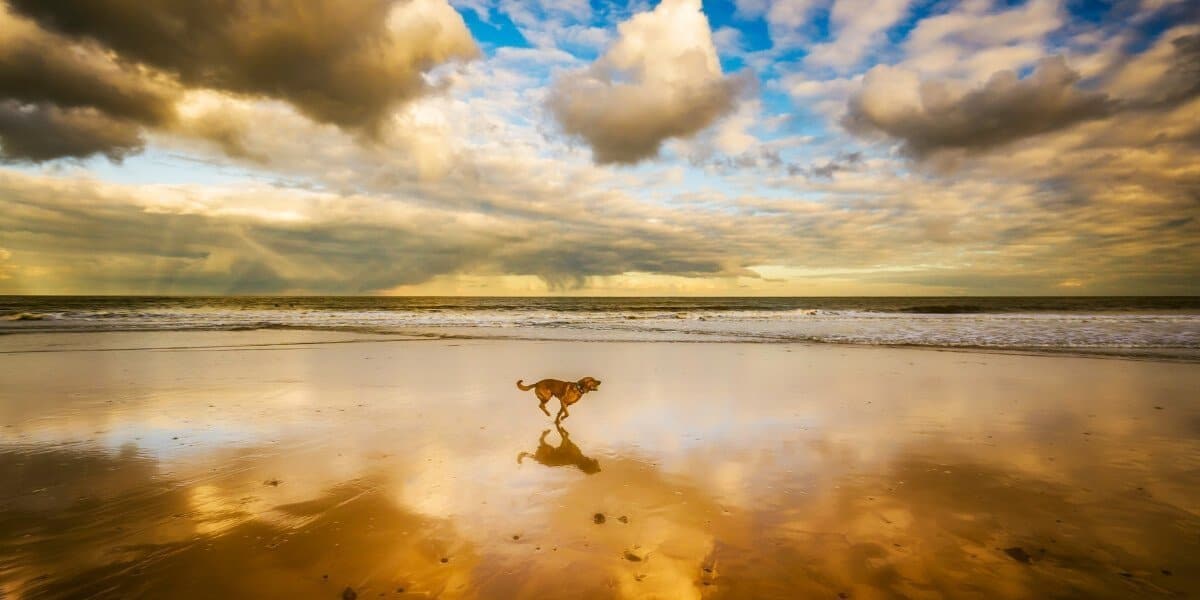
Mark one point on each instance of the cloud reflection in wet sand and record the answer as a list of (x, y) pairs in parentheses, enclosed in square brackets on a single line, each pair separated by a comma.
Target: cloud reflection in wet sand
[(866, 479)]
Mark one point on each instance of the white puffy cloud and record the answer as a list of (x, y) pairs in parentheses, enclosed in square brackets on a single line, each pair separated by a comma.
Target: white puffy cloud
[(661, 79)]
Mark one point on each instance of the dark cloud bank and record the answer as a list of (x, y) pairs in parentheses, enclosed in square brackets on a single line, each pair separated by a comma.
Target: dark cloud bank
[(1007, 109), (79, 77), (1003, 110)]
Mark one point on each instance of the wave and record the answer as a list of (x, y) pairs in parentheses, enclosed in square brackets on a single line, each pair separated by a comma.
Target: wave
[(1052, 324), (26, 316), (944, 309), (951, 326)]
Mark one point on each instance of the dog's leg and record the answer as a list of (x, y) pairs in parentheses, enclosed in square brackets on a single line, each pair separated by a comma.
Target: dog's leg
[(542, 406)]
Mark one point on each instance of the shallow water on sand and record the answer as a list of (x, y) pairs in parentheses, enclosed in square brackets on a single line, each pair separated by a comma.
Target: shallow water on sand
[(324, 462)]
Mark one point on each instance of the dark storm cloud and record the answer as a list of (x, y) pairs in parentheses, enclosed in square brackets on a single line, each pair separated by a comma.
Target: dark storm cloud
[(570, 259), (59, 100), (1005, 109), (36, 67), (116, 247), (338, 62), (343, 63), (38, 132), (121, 240), (77, 235)]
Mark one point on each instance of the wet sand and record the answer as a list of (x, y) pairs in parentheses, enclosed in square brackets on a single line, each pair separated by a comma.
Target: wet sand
[(295, 464)]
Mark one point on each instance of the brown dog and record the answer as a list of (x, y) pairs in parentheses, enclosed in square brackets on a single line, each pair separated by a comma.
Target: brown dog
[(567, 392)]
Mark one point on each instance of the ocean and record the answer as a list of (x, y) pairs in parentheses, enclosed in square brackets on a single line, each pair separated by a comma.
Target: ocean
[(1136, 326)]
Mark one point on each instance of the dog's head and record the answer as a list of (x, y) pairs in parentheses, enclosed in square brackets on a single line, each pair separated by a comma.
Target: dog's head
[(589, 384)]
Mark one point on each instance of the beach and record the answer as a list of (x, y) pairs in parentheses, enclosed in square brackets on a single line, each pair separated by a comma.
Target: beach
[(333, 464), (664, 300)]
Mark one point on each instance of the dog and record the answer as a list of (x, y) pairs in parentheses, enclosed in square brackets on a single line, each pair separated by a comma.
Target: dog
[(567, 392), (566, 454)]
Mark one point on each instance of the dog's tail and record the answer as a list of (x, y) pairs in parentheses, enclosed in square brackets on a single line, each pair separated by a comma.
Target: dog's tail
[(524, 388)]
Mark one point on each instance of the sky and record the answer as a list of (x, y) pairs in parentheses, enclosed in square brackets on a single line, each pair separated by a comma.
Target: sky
[(568, 147)]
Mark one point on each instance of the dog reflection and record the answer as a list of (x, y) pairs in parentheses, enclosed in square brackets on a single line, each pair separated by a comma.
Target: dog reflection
[(566, 454)]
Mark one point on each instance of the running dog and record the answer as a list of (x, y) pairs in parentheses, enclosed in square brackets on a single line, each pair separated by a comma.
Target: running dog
[(567, 392)]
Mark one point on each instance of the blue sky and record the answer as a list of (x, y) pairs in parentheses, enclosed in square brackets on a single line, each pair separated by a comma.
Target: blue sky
[(788, 147)]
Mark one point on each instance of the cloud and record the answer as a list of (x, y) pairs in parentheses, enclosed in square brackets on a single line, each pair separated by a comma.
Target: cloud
[(39, 132), (929, 116), (858, 25), (1184, 73), (784, 17), (1164, 75), (555, 23), (121, 239), (61, 99), (344, 64), (660, 80), (79, 235), (75, 234), (37, 66), (844, 161), (1096, 180), (974, 40)]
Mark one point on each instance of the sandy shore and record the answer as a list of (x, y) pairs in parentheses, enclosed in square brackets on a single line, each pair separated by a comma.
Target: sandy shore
[(293, 464)]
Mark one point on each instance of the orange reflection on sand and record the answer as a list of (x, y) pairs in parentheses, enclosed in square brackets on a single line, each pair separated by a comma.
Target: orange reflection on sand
[(773, 471)]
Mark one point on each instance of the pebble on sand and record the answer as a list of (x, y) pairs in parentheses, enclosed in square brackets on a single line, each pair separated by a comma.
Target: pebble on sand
[(1018, 554), (349, 593), (630, 556), (598, 518)]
